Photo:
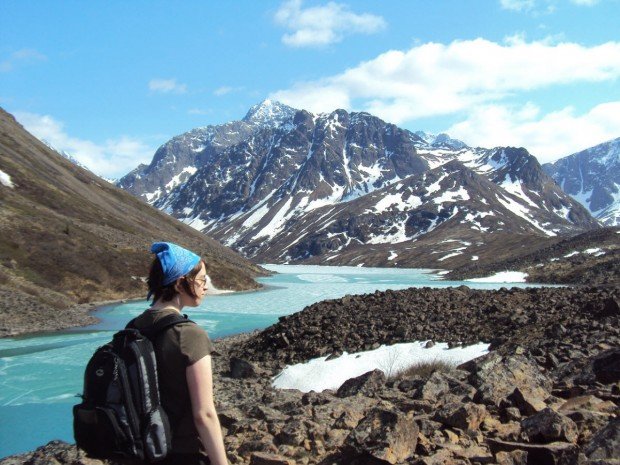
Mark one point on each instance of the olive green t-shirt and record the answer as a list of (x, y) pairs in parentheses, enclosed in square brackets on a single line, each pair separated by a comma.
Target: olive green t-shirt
[(176, 348)]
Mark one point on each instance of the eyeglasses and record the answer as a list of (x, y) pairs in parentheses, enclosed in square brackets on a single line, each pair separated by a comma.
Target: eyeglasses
[(201, 282)]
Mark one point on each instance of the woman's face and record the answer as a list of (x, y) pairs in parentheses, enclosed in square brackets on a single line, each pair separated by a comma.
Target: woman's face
[(198, 285)]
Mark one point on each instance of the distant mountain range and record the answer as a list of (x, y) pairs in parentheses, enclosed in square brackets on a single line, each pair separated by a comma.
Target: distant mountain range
[(592, 177), (286, 185)]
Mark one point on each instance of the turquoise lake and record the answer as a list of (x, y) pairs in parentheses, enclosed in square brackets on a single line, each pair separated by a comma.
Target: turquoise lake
[(41, 375)]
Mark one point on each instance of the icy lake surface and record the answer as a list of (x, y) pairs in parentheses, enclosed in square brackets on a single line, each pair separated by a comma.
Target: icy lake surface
[(40, 375)]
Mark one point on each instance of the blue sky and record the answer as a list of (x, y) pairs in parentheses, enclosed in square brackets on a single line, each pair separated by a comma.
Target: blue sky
[(109, 82)]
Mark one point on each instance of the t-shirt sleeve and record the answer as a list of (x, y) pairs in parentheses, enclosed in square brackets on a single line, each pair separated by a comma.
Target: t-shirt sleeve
[(194, 343)]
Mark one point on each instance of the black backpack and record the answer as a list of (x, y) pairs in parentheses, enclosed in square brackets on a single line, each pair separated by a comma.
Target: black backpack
[(120, 414)]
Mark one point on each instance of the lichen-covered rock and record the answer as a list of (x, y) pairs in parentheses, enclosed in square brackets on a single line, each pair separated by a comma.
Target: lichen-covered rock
[(588, 402), (368, 384), (548, 426), (557, 453), (606, 443), (466, 416), (240, 368), (496, 377), (262, 458), (515, 457), (383, 436), (529, 401)]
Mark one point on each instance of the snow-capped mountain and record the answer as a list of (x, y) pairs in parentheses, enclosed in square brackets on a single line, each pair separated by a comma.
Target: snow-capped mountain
[(75, 161), (178, 159), (65, 154), (592, 177), (287, 185)]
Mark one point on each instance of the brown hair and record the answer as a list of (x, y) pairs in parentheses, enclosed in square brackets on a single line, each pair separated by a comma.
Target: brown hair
[(156, 278)]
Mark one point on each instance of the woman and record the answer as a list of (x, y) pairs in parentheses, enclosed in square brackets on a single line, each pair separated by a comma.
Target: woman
[(177, 279)]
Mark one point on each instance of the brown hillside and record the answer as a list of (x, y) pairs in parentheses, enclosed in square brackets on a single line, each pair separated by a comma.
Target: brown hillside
[(591, 259), (68, 237)]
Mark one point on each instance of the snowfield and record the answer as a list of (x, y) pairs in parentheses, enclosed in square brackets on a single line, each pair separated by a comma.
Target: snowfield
[(319, 374), (502, 277)]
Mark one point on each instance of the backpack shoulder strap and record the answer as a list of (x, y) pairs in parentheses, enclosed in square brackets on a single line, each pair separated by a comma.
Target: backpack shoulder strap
[(163, 324), (168, 321)]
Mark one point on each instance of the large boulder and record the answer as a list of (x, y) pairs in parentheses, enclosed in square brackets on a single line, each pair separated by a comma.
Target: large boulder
[(606, 366), (466, 416), (382, 437), (264, 458), (240, 368), (549, 426), (367, 384), (293, 433), (602, 368), (496, 376), (557, 453), (529, 400), (606, 443)]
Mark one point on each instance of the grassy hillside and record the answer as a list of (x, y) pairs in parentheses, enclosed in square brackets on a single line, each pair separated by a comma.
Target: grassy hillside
[(68, 237)]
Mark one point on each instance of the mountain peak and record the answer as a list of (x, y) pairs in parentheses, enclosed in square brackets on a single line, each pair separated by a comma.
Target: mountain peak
[(269, 112), (442, 140)]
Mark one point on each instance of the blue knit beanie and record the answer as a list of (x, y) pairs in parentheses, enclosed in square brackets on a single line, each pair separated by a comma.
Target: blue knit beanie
[(175, 260)]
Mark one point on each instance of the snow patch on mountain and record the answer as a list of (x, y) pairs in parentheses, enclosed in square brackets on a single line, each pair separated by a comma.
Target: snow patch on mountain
[(5, 180), (269, 113), (452, 196), (523, 212), (396, 201), (181, 177), (515, 187)]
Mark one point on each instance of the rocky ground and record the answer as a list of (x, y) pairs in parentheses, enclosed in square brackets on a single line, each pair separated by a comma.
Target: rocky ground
[(24, 314), (547, 393)]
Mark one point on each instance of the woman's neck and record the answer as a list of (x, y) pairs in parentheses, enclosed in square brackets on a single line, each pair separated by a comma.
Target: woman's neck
[(170, 304)]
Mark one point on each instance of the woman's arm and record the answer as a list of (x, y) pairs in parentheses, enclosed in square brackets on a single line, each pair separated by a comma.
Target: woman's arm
[(200, 383)]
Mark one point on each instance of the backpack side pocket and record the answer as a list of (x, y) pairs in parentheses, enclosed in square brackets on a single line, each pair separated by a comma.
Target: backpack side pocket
[(156, 435), (97, 431)]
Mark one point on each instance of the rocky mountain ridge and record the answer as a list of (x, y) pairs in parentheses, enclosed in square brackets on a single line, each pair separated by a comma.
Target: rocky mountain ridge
[(288, 186), (592, 177)]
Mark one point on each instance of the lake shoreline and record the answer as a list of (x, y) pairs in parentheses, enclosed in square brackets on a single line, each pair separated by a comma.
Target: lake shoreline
[(78, 316)]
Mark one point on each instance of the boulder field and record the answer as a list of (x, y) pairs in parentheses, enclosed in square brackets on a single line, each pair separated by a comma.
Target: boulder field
[(548, 392)]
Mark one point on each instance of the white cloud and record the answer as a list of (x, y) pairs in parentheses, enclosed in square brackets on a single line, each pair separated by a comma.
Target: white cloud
[(24, 56), (480, 79), (323, 25), (537, 7), (584, 2), (112, 159), (518, 5), (546, 136), (166, 86), (199, 111), (436, 79), (224, 90)]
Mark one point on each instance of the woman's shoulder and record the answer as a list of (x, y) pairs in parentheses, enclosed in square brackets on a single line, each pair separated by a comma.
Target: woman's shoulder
[(193, 341), (191, 329)]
